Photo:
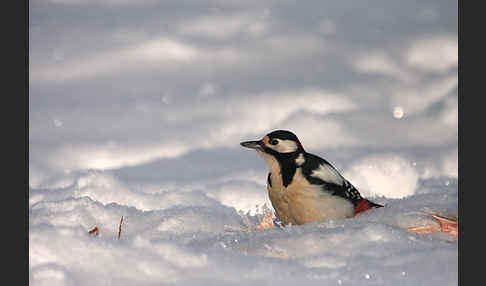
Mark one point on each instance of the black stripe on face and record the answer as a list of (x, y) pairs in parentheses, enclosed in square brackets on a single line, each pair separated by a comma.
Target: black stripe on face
[(287, 165)]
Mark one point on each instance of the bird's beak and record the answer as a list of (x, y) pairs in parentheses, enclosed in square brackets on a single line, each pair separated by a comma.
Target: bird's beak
[(252, 144)]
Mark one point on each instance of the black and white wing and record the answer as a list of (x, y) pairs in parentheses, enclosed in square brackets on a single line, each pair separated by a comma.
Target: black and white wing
[(320, 172)]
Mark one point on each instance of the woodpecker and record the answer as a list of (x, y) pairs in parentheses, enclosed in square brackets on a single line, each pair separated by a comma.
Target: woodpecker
[(304, 187)]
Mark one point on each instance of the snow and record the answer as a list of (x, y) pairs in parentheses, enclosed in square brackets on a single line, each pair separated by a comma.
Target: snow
[(137, 109), (201, 241)]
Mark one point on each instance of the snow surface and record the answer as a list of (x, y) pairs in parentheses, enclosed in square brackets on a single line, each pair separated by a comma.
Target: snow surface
[(137, 108)]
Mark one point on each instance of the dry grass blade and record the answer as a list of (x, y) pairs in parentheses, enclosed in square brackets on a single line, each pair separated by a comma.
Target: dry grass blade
[(120, 227)]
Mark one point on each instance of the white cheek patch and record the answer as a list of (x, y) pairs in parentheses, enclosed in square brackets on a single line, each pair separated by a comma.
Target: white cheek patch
[(327, 174), (300, 160), (284, 146)]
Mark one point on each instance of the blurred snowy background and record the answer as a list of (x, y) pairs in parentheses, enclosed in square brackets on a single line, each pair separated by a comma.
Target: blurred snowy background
[(137, 108)]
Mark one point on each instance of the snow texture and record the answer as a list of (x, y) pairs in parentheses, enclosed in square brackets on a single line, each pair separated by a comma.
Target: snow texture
[(137, 109)]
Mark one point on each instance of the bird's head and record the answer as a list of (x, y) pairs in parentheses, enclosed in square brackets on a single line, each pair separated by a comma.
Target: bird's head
[(276, 143), (282, 152)]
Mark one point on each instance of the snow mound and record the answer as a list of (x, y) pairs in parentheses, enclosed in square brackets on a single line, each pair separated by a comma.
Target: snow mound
[(390, 176), (197, 241)]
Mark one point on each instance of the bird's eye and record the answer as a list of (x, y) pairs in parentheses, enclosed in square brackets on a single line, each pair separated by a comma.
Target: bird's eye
[(274, 141)]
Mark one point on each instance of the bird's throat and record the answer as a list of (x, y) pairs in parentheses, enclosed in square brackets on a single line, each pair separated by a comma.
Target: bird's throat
[(281, 165)]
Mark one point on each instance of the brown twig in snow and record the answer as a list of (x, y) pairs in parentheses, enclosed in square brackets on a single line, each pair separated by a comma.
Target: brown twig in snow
[(95, 230), (119, 228)]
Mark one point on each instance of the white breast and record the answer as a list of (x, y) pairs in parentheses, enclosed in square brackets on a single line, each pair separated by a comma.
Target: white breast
[(301, 202)]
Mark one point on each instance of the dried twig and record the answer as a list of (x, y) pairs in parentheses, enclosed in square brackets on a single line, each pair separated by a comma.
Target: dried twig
[(95, 230), (448, 224), (266, 223), (119, 228), (443, 223)]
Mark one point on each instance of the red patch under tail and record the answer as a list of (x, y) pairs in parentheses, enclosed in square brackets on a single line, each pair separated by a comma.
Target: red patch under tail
[(361, 206)]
